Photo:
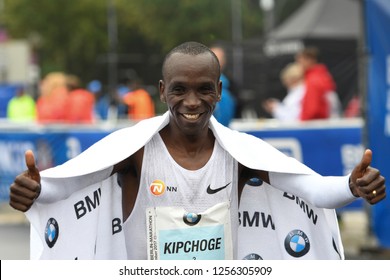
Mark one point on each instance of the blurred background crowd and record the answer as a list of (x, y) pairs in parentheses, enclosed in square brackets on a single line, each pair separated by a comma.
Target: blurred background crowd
[(62, 98), (115, 48)]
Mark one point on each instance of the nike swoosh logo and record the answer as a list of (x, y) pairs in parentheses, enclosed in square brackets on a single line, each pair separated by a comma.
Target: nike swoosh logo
[(213, 191)]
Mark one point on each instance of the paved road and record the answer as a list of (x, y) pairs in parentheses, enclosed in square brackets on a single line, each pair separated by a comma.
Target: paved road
[(14, 234), (14, 242)]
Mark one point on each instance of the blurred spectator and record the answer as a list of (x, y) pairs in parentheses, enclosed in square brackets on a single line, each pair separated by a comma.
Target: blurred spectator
[(81, 102), (226, 107), (290, 108), (124, 87), (320, 100), (53, 99), (21, 107), (121, 91), (353, 109), (102, 100), (140, 103)]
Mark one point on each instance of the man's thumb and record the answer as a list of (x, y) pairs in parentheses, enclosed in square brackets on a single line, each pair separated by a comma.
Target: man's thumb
[(33, 171), (366, 161)]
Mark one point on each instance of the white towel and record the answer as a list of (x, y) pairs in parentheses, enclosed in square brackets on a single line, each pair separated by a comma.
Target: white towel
[(78, 214)]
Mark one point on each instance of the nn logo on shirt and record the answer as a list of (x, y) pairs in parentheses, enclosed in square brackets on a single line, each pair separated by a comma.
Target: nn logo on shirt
[(158, 187)]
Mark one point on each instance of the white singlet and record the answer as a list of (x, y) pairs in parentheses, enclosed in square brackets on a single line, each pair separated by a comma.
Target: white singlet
[(184, 214)]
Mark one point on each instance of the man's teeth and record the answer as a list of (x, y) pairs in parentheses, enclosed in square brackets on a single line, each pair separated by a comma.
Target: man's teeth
[(191, 116)]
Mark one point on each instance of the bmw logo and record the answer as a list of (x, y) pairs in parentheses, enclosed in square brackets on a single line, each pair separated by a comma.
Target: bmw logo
[(254, 182), (297, 243), (252, 257), (51, 232), (191, 219)]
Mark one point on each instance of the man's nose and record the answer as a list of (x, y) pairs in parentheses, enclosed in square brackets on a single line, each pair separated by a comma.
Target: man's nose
[(192, 99)]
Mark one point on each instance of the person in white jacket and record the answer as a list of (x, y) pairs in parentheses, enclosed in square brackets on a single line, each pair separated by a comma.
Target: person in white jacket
[(180, 179), (289, 109)]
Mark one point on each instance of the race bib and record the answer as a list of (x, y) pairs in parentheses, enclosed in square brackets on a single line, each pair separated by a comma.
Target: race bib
[(175, 234)]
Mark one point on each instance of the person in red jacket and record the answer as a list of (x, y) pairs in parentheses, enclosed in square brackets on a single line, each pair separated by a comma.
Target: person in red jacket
[(320, 99), (80, 102)]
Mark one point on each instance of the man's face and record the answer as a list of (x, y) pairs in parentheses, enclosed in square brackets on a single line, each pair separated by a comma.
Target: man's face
[(191, 89)]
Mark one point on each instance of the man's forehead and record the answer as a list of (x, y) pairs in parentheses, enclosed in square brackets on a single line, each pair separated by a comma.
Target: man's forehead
[(183, 58), (180, 63)]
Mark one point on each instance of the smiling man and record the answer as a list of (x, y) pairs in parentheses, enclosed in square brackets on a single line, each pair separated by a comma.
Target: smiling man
[(179, 178)]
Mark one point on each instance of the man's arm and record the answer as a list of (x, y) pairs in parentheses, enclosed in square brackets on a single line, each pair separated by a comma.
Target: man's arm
[(26, 188), (129, 172), (333, 191)]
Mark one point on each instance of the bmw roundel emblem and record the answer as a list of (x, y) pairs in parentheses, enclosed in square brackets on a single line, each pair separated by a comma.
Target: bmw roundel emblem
[(191, 219), (255, 182), (297, 243), (252, 257), (51, 232)]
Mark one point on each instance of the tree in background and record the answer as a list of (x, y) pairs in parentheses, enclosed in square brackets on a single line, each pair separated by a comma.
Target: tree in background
[(71, 36)]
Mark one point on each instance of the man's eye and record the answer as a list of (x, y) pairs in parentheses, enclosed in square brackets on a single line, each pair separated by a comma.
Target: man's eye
[(178, 90), (207, 90)]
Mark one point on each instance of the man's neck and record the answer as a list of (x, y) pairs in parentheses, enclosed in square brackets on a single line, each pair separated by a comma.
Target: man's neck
[(190, 144), (191, 152)]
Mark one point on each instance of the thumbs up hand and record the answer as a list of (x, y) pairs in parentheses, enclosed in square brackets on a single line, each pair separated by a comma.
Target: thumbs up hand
[(26, 187), (366, 181), (32, 170)]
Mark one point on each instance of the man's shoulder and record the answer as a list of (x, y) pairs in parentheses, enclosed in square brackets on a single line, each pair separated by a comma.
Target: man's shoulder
[(112, 149)]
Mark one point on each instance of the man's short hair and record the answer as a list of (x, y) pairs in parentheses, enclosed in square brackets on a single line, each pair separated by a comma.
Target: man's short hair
[(190, 48)]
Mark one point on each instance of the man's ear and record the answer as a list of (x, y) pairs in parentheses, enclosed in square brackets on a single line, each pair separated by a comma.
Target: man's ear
[(219, 90), (161, 90)]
